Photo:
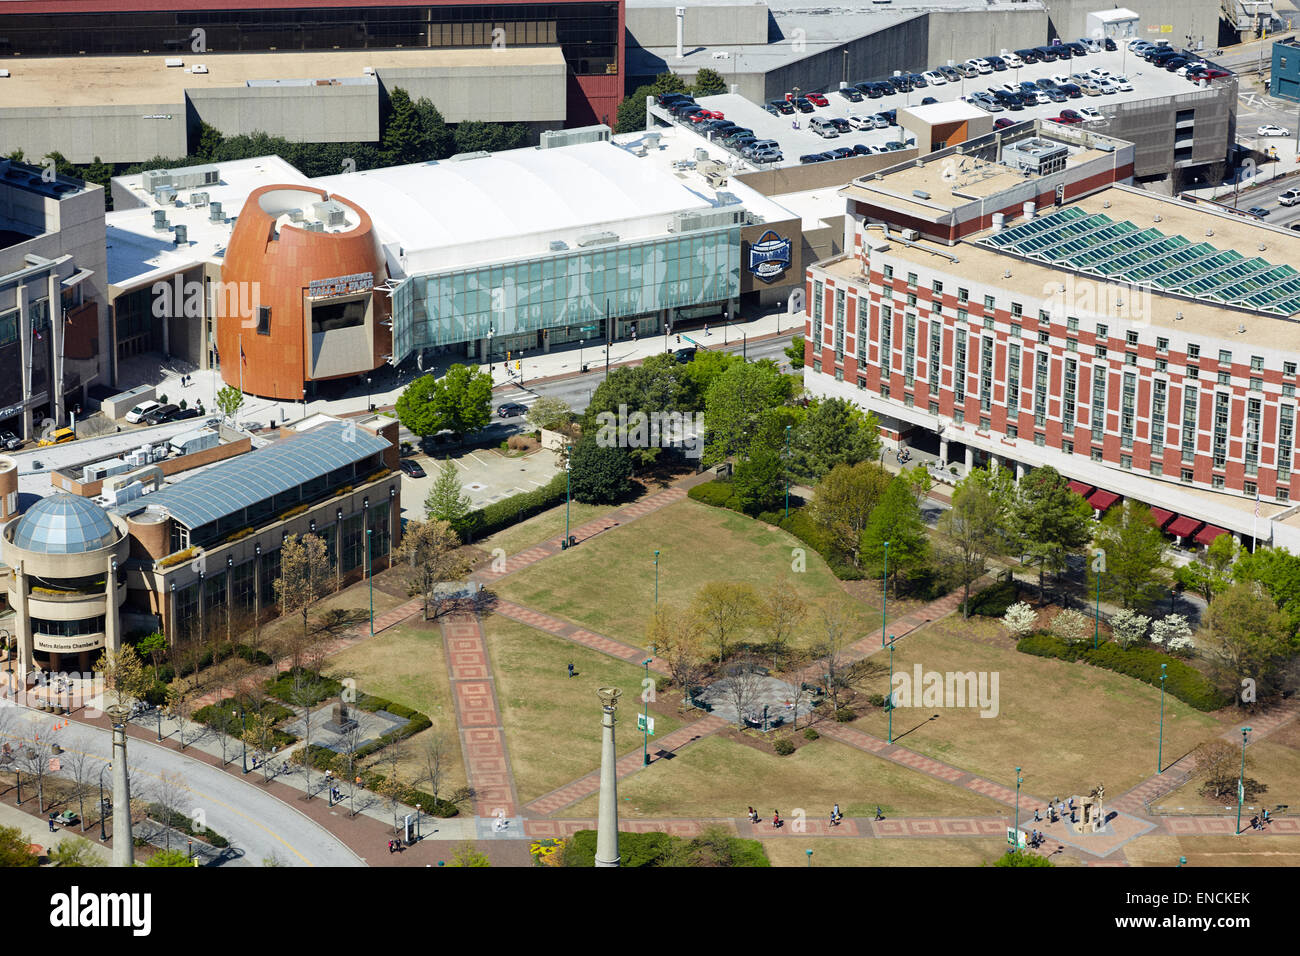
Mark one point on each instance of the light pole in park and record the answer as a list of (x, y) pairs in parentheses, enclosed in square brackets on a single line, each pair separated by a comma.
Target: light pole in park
[(1241, 780), (568, 470), (645, 729), (890, 699), (884, 597), (370, 574), (1160, 747), (787, 470), (1015, 834), (656, 577)]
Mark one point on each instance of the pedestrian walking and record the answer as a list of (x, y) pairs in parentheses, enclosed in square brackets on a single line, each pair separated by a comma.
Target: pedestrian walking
[(753, 815), (835, 815), (706, 329), (776, 819), (570, 670), (1036, 816), (880, 814), (1267, 818)]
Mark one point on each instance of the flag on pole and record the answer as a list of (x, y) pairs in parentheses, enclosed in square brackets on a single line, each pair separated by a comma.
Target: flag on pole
[(242, 357), (1256, 501)]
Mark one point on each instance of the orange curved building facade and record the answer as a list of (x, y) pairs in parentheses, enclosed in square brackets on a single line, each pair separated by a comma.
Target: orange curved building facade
[(308, 264)]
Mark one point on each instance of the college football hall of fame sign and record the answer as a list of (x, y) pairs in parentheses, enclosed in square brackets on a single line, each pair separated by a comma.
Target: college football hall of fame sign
[(769, 257)]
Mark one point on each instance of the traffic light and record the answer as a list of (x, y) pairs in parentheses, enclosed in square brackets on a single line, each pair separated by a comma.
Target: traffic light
[(507, 355), (519, 366)]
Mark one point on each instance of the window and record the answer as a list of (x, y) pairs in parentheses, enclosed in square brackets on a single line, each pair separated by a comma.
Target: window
[(1096, 454), (938, 287), (1126, 462), (909, 349), (1157, 468), (263, 320), (817, 302), (1013, 431), (839, 374), (1159, 395), (839, 325), (963, 295), (1225, 357), (1044, 318), (862, 383), (889, 273), (1257, 363), (1097, 414), (1288, 390), (1186, 476), (1102, 332), (1072, 324), (1127, 414), (1282, 494), (1040, 439), (1162, 365), (1193, 372), (1040, 389), (934, 408), (1190, 397), (1068, 396), (886, 340), (963, 316), (1254, 420), (959, 416), (1013, 377), (988, 303), (986, 373), (1071, 345), (1222, 402), (911, 280), (817, 366), (1162, 345), (909, 400), (988, 323), (1217, 482), (1285, 436), (1017, 310), (1288, 368), (1193, 351), (985, 424), (911, 301), (884, 391), (959, 367), (1044, 337), (936, 352), (1102, 351), (1131, 338), (1250, 488), (1067, 446), (1257, 385), (1225, 378), (862, 335), (1130, 358)]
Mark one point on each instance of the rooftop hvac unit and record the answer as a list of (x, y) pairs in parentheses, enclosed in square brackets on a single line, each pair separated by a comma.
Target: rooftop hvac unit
[(911, 235), (315, 226), (160, 220), (198, 68), (165, 195), (651, 140), (182, 236), (558, 245), (701, 154), (151, 179), (215, 214), (597, 239), (552, 138), (295, 215), (173, 61), (331, 212), (198, 200), (727, 199), (920, 194)]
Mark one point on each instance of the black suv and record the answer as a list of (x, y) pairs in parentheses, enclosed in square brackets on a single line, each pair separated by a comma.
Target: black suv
[(782, 107), (850, 93)]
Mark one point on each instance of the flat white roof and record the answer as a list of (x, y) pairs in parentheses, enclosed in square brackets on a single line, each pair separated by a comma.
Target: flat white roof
[(949, 112)]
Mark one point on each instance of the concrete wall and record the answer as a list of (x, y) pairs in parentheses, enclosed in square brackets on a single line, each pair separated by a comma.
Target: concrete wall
[(1068, 19), (346, 113), (519, 94), (796, 179), (115, 134), (1208, 126), (721, 25), (964, 34)]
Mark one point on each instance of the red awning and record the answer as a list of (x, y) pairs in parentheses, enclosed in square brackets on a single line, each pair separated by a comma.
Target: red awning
[(1207, 534), (1183, 526), (1101, 500), (1162, 516), (1079, 488)]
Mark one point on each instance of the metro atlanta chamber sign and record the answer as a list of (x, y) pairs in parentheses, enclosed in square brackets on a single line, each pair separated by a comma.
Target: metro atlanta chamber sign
[(769, 257)]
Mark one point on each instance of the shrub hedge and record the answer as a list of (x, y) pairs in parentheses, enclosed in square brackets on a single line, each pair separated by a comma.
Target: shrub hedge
[(784, 746), (1141, 663), (994, 600), (655, 849), (281, 686), (179, 821), (492, 518)]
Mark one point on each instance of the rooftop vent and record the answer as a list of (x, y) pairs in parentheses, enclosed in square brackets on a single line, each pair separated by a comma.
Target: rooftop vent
[(597, 239), (160, 220), (315, 226), (1262, 247), (182, 236), (1178, 316), (920, 193), (1241, 328), (331, 212), (173, 61), (198, 200), (295, 215), (1155, 218), (215, 214), (1209, 232), (1106, 204), (558, 245)]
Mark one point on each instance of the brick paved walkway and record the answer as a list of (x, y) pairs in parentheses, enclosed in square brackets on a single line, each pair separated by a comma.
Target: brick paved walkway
[(253, 682), (473, 689), (850, 828), (579, 635), (585, 786)]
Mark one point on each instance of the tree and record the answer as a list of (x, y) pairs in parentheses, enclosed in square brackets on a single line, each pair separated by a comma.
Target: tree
[(436, 754), (1136, 569), (794, 351), (1050, 521), (14, 848), (779, 613), (258, 730), (1070, 625), (549, 412), (975, 525), (460, 401), (598, 473), (1246, 636), (305, 693), (843, 502), (445, 501), (659, 384), (1172, 631), (155, 647), (757, 480), (724, 610), (708, 83), (34, 760), (230, 400), (169, 794), (430, 553), (179, 706), (83, 768), (1277, 570), (467, 855), (742, 686), (920, 483), (896, 520), (475, 136), (1223, 767), (124, 676), (1209, 573), (675, 638), (734, 403), (305, 578), (402, 140), (839, 623), (76, 852), (835, 432), (392, 788), (1129, 627), (438, 140), (1020, 619), (170, 858)]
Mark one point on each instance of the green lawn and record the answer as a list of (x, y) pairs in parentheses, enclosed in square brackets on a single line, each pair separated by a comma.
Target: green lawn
[(542, 527), (830, 851), (1274, 761), (552, 721), (1203, 851), (722, 778), (406, 664), (1070, 726), (608, 583)]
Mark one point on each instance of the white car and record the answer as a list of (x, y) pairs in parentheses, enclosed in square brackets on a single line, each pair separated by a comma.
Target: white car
[(140, 411), (934, 78), (1122, 84), (1133, 43), (861, 122), (1107, 87), (1099, 73), (1268, 129), (1012, 61), (1090, 114), (980, 65), (1060, 79), (1289, 198), (1089, 44), (1041, 97)]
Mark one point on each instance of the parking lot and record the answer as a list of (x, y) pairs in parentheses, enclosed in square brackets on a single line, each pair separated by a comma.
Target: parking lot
[(486, 475), (797, 140)]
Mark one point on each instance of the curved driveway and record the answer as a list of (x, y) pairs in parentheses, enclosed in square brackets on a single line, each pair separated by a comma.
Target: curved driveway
[(256, 823)]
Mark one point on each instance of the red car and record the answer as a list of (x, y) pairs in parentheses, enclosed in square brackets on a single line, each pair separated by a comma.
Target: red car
[(817, 99), (703, 115)]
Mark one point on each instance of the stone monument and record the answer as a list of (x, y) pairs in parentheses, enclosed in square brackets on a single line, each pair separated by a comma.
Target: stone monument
[(123, 842), (607, 826), (340, 721)]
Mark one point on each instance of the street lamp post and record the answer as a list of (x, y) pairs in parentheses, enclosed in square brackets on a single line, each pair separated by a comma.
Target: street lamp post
[(1015, 835), (1160, 747), (656, 577), (370, 574), (370, 405), (568, 470), (491, 365), (884, 597), (787, 470), (1096, 615), (103, 834), (417, 821), (1241, 780), (243, 735), (645, 730), (890, 698), (809, 852)]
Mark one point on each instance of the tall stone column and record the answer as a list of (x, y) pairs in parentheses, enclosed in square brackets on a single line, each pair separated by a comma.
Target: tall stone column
[(123, 839), (112, 631), (943, 452), (607, 828)]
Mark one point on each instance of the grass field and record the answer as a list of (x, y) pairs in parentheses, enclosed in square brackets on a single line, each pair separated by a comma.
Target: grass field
[(1205, 851), (829, 851), (406, 664), (1070, 726), (1274, 761), (542, 527), (723, 778), (552, 721), (608, 583)]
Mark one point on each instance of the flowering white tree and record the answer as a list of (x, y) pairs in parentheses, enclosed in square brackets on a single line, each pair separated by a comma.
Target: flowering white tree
[(1020, 619), (1129, 626), (1170, 629), (1070, 625)]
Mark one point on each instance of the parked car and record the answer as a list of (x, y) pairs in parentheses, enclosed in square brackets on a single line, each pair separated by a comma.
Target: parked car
[(1122, 84), (818, 99), (860, 149), (804, 105), (1089, 113), (807, 158), (1174, 63), (823, 128), (1070, 90), (1109, 45), (758, 146), (1269, 129), (410, 468), (850, 93), (1067, 120), (901, 83), (782, 107), (934, 78), (185, 414), (1107, 87), (144, 408), (1027, 56), (58, 437), (769, 155), (1013, 60), (841, 125), (998, 63), (1089, 44), (950, 74), (669, 99), (159, 415), (980, 65), (10, 441), (1099, 72), (511, 410), (1259, 212), (842, 152), (968, 71), (861, 122), (919, 81), (685, 355), (1003, 122)]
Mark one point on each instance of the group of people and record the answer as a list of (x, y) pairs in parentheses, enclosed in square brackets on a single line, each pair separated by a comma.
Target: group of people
[(1056, 810), (395, 846), (836, 816), (1261, 820)]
